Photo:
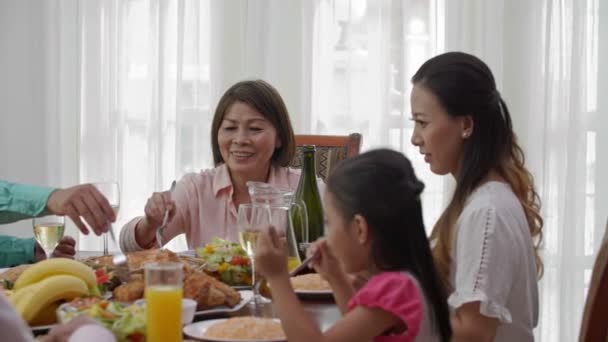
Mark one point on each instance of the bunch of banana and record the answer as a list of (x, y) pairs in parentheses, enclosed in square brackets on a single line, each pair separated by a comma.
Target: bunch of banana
[(39, 288)]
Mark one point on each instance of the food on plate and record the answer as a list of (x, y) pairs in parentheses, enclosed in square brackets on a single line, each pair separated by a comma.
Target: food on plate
[(199, 289), (46, 316), (129, 291), (227, 261), (208, 292), (127, 322), (41, 287), (10, 276), (30, 301), (246, 328), (107, 280), (310, 282), (57, 266), (137, 260), (233, 297)]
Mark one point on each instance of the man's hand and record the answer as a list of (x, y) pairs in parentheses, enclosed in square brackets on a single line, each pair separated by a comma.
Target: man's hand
[(82, 201), (66, 248)]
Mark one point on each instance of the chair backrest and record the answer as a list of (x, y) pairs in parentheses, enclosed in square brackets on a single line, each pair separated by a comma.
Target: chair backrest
[(330, 150), (594, 327)]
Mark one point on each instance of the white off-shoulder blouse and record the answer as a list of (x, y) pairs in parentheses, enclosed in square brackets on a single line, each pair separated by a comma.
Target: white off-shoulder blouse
[(493, 262)]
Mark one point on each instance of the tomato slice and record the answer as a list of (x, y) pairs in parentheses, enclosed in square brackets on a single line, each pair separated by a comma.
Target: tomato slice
[(99, 272), (102, 279)]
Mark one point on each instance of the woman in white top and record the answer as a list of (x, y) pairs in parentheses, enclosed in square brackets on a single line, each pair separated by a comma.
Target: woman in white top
[(485, 244)]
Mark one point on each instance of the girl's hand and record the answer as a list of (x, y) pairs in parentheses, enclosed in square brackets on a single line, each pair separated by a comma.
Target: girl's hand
[(325, 263), (271, 254), (156, 207)]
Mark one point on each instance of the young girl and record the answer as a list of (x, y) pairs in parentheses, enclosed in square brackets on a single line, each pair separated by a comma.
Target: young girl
[(483, 243), (374, 225)]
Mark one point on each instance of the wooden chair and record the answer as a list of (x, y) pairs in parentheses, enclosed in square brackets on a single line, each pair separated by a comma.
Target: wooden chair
[(594, 327), (330, 150)]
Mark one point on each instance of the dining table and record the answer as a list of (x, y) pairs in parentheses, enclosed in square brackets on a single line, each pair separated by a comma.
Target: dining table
[(322, 309)]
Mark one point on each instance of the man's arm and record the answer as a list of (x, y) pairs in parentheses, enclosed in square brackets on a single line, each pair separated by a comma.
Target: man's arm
[(79, 203), (16, 251), (20, 201)]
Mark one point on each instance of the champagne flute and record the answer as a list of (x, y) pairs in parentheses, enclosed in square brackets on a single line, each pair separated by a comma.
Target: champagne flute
[(251, 220), (48, 230), (112, 192)]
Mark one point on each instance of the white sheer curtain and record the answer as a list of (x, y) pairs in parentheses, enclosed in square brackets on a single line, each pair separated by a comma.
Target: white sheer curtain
[(364, 55), (152, 72), (145, 104), (149, 72), (545, 58)]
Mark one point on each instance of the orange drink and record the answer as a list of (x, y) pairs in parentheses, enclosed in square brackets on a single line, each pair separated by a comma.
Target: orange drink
[(164, 313), (292, 262), (163, 302)]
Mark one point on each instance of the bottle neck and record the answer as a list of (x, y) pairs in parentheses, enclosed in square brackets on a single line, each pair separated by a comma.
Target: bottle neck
[(308, 161)]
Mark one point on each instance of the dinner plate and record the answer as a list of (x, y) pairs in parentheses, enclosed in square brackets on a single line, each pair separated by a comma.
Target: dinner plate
[(198, 329), (246, 296), (316, 294), (42, 328)]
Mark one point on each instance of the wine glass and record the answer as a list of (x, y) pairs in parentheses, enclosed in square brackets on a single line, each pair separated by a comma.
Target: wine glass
[(112, 193), (251, 220), (48, 230)]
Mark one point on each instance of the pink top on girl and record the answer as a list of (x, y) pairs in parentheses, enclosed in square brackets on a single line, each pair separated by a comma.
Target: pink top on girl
[(399, 294)]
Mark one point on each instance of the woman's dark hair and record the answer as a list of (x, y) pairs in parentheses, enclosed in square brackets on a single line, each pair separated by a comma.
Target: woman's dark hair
[(381, 186), (265, 99), (465, 86)]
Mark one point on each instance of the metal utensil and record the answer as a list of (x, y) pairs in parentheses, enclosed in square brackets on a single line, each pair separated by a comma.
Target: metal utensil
[(302, 265), (119, 258), (159, 231)]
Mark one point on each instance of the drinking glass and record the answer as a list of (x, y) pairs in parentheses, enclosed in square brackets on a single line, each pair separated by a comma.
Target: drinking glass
[(281, 217), (112, 192), (251, 219), (163, 295), (48, 230)]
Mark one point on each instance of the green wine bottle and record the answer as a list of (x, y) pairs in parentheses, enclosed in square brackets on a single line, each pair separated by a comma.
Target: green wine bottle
[(308, 193)]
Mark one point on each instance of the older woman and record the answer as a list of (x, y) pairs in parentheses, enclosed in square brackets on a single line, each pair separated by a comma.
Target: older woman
[(252, 140)]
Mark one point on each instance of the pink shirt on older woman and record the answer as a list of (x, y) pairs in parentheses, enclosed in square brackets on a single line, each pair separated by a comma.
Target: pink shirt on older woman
[(204, 207)]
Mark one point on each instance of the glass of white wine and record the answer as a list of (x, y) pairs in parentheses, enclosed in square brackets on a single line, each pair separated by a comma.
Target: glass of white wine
[(251, 220), (111, 191), (48, 230)]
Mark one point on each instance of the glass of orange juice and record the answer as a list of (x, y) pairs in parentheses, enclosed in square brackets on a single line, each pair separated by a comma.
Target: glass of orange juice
[(163, 301)]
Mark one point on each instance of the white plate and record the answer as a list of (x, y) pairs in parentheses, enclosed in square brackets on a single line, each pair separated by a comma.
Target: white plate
[(198, 329), (241, 287), (42, 328), (246, 296)]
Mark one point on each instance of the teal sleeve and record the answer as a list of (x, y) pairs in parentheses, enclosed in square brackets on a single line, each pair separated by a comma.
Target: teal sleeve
[(20, 201), (15, 251)]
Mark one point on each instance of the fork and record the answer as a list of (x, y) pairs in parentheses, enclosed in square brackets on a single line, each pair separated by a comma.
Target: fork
[(119, 258), (159, 231)]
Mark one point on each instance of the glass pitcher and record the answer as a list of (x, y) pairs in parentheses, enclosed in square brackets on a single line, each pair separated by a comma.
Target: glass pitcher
[(286, 215)]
